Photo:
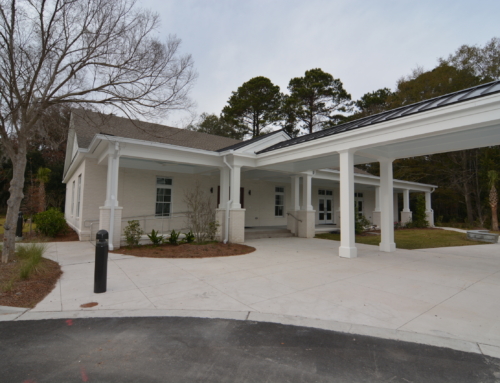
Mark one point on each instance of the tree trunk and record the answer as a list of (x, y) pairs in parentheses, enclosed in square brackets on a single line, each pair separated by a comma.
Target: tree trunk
[(494, 206), (42, 197), (14, 203)]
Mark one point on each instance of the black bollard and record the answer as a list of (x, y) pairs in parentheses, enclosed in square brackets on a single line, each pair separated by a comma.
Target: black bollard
[(19, 228), (101, 262)]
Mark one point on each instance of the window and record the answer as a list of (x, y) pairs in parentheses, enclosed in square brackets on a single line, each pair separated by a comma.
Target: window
[(358, 201), (73, 199), (163, 197), (325, 192), (78, 195), (279, 201)]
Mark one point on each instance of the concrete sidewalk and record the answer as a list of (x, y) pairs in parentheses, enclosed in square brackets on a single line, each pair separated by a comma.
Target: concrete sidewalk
[(445, 297)]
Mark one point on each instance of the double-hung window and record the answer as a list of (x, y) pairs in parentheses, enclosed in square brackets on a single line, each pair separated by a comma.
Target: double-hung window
[(163, 197), (279, 201)]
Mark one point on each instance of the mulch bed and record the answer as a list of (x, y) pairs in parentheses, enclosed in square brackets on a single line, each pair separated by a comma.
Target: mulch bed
[(27, 293), (186, 250), (401, 228), (70, 236)]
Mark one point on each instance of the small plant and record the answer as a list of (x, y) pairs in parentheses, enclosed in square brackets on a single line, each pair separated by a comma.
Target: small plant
[(31, 256), (189, 238), (50, 223), (133, 233), (155, 238), (212, 230), (174, 237), (419, 218), (360, 222)]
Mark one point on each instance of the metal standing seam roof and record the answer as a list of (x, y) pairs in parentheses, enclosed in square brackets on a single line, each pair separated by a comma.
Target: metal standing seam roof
[(419, 107), (251, 141)]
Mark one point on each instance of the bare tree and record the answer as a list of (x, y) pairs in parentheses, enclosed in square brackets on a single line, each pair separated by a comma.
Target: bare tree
[(80, 52), (201, 214)]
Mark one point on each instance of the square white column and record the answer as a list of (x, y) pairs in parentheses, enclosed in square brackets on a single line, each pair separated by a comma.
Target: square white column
[(377, 199), (428, 209), (387, 204), (347, 239), (295, 197), (235, 187), (224, 187), (306, 192), (406, 200)]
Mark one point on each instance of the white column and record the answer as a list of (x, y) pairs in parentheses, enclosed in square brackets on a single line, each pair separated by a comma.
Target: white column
[(387, 204), (406, 200), (347, 239), (109, 181), (428, 209), (114, 181), (376, 212), (235, 187), (224, 187), (306, 192), (295, 200)]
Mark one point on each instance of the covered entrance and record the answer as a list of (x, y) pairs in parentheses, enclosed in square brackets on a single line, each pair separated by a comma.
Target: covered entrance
[(325, 206)]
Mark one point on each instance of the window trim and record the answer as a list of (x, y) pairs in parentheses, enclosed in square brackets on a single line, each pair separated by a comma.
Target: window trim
[(160, 186), (282, 193), (73, 199)]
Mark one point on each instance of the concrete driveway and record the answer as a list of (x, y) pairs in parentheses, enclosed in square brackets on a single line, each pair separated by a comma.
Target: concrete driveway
[(445, 297)]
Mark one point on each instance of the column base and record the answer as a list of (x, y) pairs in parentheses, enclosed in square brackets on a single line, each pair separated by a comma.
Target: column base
[(307, 228), (376, 218), (236, 225), (348, 252), (291, 223), (406, 216), (104, 220), (430, 217), (387, 247)]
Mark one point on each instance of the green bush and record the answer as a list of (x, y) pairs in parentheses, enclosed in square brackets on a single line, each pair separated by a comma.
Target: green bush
[(360, 223), (155, 238), (189, 238), (419, 218), (133, 233), (174, 238), (50, 223), (30, 255)]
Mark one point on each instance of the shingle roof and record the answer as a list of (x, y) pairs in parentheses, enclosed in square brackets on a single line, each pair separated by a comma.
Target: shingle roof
[(87, 124), (419, 107), (248, 142)]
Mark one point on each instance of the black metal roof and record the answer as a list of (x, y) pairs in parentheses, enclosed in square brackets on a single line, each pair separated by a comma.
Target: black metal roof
[(242, 144), (419, 107)]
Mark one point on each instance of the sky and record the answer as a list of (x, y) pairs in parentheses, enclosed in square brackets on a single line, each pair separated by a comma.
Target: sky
[(367, 44)]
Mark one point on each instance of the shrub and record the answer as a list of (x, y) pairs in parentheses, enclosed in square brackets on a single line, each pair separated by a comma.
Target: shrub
[(360, 223), (30, 255), (201, 214), (133, 233), (189, 238), (174, 238), (155, 238), (419, 218), (50, 223)]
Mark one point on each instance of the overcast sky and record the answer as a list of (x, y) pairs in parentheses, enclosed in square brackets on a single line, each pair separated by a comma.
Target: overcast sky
[(367, 44)]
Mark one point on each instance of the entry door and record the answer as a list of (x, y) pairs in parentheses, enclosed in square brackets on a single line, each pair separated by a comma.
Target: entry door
[(325, 210)]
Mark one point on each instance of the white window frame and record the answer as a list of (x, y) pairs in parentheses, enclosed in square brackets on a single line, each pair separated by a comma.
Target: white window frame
[(282, 194), (78, 196), (73, 199), (164, 186)]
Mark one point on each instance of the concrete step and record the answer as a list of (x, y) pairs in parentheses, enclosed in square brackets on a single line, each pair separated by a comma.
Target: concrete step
[(280, 233)]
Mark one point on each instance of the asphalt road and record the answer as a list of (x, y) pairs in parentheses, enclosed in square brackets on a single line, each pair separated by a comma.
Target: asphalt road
[(215, 350)]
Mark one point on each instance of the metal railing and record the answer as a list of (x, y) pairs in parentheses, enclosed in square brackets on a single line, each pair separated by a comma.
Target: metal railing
[(291, 215)]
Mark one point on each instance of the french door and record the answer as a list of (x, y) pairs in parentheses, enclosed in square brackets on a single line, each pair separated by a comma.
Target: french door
[(325, 210)]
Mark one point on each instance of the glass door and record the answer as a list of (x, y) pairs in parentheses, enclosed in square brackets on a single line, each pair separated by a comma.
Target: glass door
[(325, 207)]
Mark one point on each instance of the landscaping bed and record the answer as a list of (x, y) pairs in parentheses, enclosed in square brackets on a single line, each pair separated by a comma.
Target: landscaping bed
[(412, 239), (186, 250), (17, 292)]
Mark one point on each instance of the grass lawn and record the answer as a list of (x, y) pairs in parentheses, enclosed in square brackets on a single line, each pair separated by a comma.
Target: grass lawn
[(411, 239)]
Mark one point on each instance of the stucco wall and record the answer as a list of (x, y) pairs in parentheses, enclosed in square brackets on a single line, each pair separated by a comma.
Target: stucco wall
[(69, 213)]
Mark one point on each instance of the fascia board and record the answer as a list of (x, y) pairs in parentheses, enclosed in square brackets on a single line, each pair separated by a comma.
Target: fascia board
[(474, 113), (75, 163)]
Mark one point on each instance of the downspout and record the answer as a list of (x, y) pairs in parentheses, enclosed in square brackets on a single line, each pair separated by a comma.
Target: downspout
[(113, 198), (229, 202)]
